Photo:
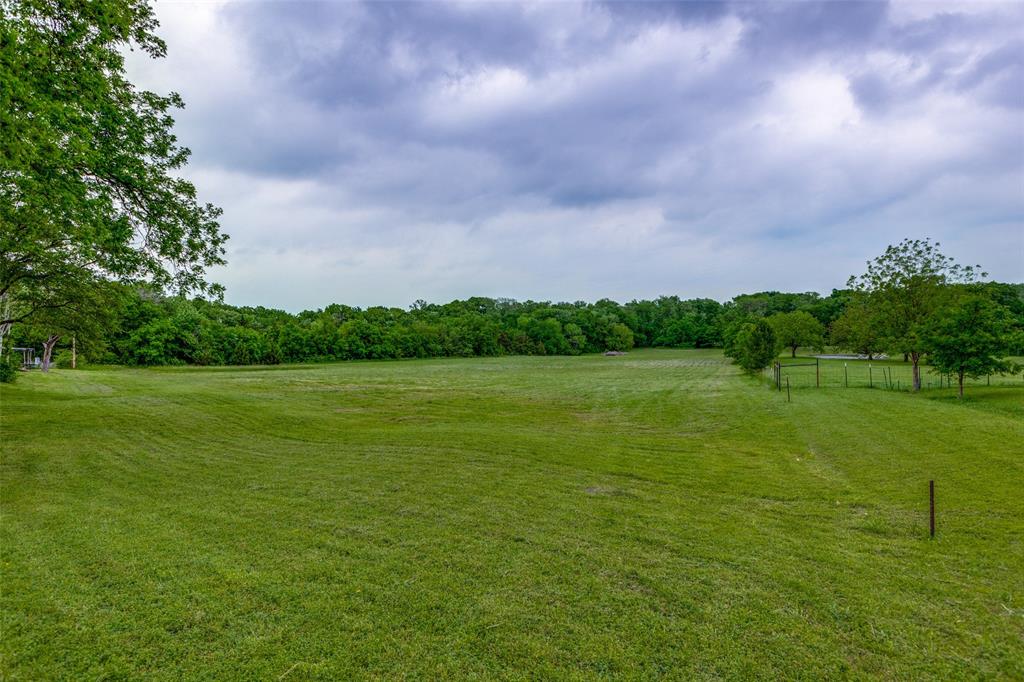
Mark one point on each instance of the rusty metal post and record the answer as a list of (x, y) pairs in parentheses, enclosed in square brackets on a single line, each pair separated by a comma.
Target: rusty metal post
[(931, 508)]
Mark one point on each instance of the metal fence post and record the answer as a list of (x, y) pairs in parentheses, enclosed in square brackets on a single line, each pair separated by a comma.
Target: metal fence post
[(931, 509)]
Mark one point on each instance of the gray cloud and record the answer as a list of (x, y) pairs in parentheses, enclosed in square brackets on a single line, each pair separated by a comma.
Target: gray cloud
[(394, 151)]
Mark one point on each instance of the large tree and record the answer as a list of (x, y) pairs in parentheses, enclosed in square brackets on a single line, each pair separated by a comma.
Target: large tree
[(88, 186), (904, 287), (970, 338)]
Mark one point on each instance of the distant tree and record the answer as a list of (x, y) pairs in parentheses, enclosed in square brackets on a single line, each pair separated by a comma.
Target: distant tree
[(827, 310), (859, 328), (619, 337), (575, 338), (795, 329), (1011, 296), (905, 286), (754, 346), (970, 338)]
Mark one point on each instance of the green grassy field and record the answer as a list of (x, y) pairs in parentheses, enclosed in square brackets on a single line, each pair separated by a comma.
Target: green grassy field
[(652, 515)]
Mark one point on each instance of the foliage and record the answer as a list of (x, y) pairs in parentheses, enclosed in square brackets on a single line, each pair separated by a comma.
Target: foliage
[(619, 337), (63, 360), (147, 328), (859, 328), (970, 338), (797, 328), (90, 188), (755, 346), (671, 321), (905, 286), (1010, 297), (8, 370), (141, 326)]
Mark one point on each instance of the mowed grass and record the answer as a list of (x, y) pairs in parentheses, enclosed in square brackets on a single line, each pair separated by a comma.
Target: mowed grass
[(652, 515)]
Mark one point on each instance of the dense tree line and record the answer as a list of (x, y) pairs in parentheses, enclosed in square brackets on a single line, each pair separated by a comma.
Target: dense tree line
[(148, 328)]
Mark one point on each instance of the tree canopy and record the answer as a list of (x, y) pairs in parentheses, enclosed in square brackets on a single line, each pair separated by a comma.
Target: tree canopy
[(797, 328), (89, 190), (905, 286), (755, 346), (970, 338)]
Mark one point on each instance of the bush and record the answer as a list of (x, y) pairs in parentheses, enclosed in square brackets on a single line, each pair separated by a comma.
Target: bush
[(755, 346), (63, 360), (8, 371)]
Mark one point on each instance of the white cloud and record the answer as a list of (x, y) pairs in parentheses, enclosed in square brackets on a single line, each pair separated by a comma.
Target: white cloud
[(377, 155)]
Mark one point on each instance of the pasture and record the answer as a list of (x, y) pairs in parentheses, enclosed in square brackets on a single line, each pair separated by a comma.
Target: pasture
[(651, 515)]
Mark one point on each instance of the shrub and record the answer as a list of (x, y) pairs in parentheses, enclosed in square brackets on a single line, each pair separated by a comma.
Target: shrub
[(755, 346), (63, 360), (8, 371)]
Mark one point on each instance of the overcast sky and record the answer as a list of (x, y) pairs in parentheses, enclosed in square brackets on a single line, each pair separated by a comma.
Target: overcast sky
[(386, 152)]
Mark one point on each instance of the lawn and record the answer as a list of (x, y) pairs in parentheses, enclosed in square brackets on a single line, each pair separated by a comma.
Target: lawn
[(651, 515)]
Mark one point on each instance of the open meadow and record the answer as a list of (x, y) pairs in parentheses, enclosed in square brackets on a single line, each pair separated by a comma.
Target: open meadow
[(652, 515)]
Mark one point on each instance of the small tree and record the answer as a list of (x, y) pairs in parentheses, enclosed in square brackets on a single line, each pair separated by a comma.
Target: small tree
[(970, 339), (755, 346), (795, 329)]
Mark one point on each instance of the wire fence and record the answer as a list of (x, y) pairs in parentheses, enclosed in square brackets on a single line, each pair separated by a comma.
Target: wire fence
[(882, 374)]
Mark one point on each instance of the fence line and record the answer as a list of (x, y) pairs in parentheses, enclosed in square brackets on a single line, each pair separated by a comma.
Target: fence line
[(872, 374)]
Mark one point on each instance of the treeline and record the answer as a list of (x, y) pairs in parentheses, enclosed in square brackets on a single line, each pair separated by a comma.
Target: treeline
[(147, 328)]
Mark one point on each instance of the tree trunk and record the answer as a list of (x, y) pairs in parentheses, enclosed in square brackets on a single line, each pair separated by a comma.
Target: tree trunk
[(960, 378), (794, 351), (905, 358), (5, 315), (48, 350), (915, 357)]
